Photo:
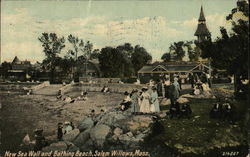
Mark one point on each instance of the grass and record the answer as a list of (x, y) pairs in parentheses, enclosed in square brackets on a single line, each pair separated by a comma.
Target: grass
[(200, 134)]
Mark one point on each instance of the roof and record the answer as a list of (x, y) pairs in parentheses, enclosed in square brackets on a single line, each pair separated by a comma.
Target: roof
[(16, 60), (202, 16), (202, 30), (160, 68)]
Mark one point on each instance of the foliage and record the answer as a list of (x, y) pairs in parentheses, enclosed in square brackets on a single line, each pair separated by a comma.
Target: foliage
[(230, 51), (52, 46), (177, 49), (123, 61), (166, 57), (140, 57)]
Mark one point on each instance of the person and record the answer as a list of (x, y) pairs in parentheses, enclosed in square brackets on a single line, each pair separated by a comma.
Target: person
[(68, 127), (40, 141), (199, 85), (208, 79), (29, 92), (59, 94), (166, 87), (216, 111), (177, 86), (135, 108), (191, 79), (227, 112), (173, 93), (67, 99), (159, 88), (60, 131), (151, 83), (186, 110), (155, 101), (179, 81), (145, 101), (174, 110), (126, 102), (204, 78), (84, 96), (105, 89), (196, 90)]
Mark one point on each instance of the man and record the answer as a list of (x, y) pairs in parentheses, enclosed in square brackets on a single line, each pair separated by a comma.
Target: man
[(173, 93)]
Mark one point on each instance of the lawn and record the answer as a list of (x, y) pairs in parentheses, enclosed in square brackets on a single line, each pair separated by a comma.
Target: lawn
[(200, 134)]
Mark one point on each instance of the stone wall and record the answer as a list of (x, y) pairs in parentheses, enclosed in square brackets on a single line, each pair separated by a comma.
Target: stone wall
[(97, 87)]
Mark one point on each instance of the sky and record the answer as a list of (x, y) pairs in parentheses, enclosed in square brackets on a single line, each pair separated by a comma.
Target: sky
[(148, 23)]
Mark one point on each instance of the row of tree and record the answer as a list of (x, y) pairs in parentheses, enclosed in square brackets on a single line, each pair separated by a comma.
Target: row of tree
[(178, 50), (121, 61)]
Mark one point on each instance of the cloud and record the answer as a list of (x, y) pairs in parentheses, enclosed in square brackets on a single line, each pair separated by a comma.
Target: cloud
[(19, 37)]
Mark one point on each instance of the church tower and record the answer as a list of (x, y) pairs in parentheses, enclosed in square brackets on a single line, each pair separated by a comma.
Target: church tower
[(202, 31)]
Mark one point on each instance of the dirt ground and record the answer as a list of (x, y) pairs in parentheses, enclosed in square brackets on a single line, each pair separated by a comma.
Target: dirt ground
[(21, 114)]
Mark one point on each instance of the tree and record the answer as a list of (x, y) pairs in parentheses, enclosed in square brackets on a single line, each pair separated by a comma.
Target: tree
[(111, 62), (230, 52), (177, 48), (52, 46), (140, 57), (6, 66), (166, 57), (193, 51), (95, 53)]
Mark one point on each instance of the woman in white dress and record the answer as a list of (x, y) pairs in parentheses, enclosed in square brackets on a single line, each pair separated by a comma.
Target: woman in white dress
[(145, 101), (155, 106)]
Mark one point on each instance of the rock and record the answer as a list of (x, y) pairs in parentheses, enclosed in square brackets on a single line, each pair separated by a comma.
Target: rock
[(82, 138), (111, 118), (99, 133), (59, 146), (118, 131), (130, 134), (73, 148), (70, 136), (85, 124), (88, 145)]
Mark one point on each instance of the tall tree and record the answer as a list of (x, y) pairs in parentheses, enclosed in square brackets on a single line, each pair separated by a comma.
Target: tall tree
[(140, 57), (166, 57), (52, 46), (177, 49), (230, 52), (193, 51)]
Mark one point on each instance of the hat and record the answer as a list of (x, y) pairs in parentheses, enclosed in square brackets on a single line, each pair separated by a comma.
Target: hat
[(66, 123), (154, 88), (126, 93)]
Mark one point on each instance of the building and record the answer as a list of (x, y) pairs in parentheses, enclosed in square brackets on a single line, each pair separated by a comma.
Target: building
[(19, 70), (163, 70), (202, 31)]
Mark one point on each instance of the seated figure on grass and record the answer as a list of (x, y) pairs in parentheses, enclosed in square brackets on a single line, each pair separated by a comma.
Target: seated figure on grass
[(175, 110), (186, 111), (216, 112), (126, 102), (105, 89)]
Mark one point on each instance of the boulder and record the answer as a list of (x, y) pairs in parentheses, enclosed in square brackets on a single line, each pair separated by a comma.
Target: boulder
[(99, 133), (71, 135), (59, 146), (82, 138), (118, 131), (111, 117), (73, 148), (88, 145), (85, 124)]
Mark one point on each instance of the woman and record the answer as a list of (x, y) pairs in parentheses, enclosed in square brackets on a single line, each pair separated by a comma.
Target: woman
[(126, 102), (154, 101), (135, 108), (166, 87), (145, 101)]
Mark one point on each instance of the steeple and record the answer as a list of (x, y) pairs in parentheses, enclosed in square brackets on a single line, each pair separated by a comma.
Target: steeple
[(202, 31), (202, 16)]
